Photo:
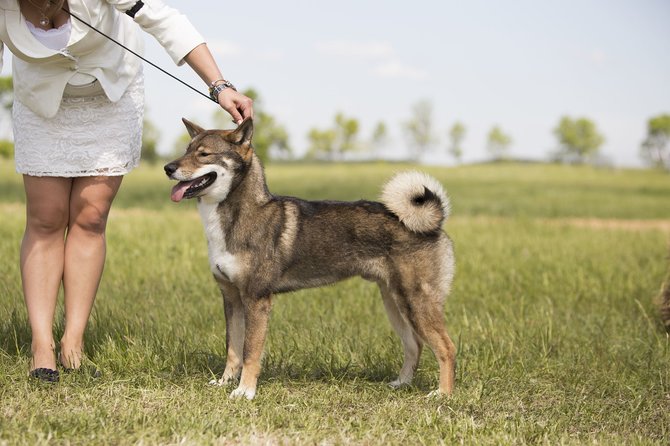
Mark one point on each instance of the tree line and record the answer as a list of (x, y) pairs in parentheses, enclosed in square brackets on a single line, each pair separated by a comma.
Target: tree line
[(578, 138)]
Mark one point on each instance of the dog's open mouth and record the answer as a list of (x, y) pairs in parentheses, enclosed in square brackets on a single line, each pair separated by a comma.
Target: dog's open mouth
[(189, 189)]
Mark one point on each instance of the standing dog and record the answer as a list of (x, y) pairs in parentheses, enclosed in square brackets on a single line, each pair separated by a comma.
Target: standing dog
[(260, 244)]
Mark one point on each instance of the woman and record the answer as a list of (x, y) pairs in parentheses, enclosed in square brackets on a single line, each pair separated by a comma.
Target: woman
[(77, 115)]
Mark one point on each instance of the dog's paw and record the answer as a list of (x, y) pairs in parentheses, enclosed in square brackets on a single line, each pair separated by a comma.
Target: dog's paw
[(398, 384), (223, 381), (243, 392), (437, 394)]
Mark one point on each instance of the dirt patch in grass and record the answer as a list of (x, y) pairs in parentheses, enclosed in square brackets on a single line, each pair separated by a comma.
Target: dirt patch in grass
[(607, 223)]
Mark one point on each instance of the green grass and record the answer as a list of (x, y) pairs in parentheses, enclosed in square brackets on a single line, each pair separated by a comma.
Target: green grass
[(555, 323)]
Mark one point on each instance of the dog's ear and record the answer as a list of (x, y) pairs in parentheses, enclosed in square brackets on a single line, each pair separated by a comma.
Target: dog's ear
[(241, 137), (243, 133), (193, 129)]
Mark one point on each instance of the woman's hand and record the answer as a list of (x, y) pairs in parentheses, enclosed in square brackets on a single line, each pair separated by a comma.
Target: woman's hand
[(236, 104)]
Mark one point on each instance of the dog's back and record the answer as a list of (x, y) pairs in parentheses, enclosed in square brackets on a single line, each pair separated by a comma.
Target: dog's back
[(304, 244)]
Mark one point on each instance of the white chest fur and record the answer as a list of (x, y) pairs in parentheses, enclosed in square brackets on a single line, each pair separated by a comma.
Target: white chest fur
[(222, 263)]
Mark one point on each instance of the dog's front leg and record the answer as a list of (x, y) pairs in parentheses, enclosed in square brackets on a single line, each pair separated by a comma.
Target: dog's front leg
[(256, 316), (234, 313)]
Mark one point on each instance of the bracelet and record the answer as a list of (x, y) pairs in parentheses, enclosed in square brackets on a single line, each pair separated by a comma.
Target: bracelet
[(215, 90)]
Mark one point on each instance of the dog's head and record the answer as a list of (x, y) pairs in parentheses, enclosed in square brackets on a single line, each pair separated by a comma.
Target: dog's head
[(213, 162)]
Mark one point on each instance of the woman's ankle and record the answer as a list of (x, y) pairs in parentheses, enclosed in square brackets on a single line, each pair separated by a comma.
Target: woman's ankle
[(43, 355)]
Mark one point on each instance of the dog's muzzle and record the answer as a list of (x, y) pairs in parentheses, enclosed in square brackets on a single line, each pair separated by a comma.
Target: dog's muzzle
[(188, 188)]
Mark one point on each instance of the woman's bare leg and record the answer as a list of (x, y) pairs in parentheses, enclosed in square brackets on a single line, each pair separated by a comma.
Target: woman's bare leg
[(42, 254), (85, 250)]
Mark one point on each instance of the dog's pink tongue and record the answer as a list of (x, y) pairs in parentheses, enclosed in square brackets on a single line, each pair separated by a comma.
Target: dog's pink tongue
[(179, 190)]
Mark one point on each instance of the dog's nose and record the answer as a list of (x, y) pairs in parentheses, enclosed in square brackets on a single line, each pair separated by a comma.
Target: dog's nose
[(170, 169)]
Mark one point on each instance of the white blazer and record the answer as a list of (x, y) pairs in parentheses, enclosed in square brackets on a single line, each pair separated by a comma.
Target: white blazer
[(41, 74)]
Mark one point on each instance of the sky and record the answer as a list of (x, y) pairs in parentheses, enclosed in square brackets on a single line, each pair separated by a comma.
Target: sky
[(519, 64)]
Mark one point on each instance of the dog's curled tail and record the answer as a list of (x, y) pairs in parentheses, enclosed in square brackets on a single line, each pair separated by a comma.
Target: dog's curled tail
[(418, 200)]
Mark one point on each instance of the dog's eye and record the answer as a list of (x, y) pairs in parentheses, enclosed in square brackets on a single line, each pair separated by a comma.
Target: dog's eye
[(204, 154)]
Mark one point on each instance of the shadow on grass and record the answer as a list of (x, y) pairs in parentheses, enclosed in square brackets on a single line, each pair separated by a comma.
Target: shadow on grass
[(211, 364), (128, 346)]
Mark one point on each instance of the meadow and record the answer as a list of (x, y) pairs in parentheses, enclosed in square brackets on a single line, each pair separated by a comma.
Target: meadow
[(552, 310)]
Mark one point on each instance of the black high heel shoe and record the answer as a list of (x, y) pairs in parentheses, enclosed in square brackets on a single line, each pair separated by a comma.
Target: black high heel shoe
[(45, 375)]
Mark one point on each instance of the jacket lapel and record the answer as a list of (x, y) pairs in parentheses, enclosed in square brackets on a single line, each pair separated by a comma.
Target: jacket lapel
[(21, 38), (25, 42), (79, 30)]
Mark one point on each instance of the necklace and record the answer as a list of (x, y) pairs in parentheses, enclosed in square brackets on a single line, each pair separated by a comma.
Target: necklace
[(44, 10)]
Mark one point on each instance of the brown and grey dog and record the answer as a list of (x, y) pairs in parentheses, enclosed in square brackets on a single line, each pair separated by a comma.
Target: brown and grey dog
[(261, 244)]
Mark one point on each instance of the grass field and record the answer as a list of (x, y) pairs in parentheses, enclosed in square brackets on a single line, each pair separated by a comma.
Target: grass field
[(552, 310)]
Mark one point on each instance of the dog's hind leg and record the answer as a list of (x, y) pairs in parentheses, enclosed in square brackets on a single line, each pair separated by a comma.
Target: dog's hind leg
[(234, 313), (424, 311), (256, 316), (411, 343)]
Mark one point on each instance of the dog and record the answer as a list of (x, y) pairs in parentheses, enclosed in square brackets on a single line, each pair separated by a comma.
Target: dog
[(260, 244)]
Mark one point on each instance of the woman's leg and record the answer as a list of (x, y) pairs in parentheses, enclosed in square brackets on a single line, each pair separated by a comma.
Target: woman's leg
[(85, 249), (42, 253)]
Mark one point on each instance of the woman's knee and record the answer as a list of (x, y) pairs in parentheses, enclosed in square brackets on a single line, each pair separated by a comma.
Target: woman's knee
[(91, 201), (90, 219), (47, 205), (47, 220)]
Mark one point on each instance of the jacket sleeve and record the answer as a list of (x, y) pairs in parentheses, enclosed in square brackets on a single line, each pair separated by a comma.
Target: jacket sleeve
[(172, 29)]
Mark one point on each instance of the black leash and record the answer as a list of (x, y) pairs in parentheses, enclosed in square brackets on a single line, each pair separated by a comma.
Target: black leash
[(134, 10)]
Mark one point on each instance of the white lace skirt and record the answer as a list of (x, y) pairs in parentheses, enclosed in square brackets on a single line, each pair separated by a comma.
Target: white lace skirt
[(89, 136)]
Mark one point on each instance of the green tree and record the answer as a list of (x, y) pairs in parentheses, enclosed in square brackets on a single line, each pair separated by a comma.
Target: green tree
[(379, 137), (321, 143), (270, 138), (655, 149), (346, 133), (498, 143), (419, 128), (6, 149), (456, 135), (150, 137), (334, 142), (6, 92), (579, 140)]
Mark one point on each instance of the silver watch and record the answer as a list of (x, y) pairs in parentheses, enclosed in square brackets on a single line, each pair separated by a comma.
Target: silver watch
[(215, 90)]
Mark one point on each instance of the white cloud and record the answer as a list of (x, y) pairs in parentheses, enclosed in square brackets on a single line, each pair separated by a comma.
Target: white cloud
[(348, 48), (228, 49), (382, 53), (397, 70)]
